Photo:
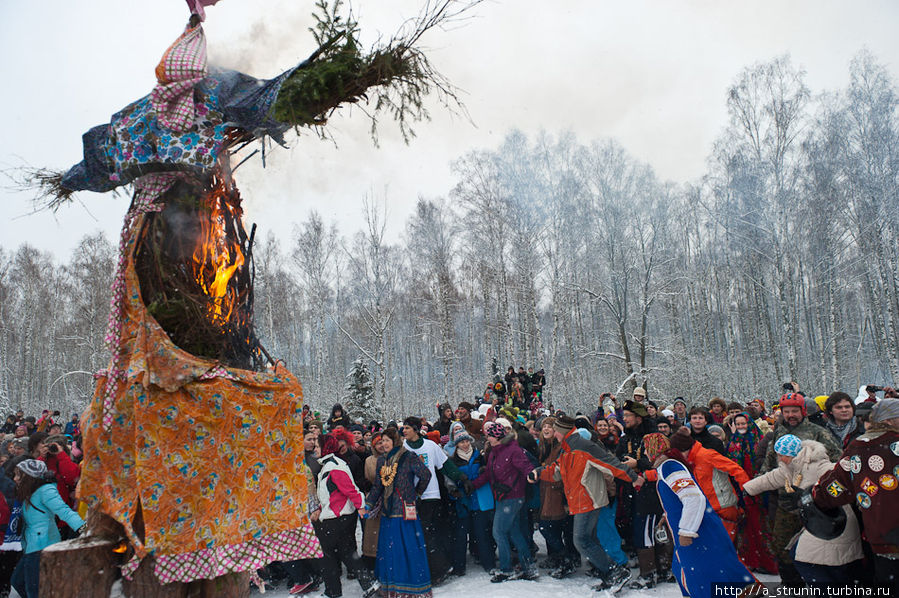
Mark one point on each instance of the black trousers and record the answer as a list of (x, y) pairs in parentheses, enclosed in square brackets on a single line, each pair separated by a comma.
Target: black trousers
[(433, 518), (336, 539)]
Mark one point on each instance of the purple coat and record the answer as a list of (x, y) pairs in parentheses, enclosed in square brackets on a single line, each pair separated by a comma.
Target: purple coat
[(506, 471)]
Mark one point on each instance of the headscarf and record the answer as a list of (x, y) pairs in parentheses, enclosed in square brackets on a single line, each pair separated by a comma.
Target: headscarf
[(741, 447), (455, 430)]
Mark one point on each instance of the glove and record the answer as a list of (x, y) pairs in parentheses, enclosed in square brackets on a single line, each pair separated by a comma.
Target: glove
[(792, 498), (455, 493), (468, 487)]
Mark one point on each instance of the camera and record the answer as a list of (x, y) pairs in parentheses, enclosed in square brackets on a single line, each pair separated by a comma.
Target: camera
[(873, 388), (787, 387), (53, 448)]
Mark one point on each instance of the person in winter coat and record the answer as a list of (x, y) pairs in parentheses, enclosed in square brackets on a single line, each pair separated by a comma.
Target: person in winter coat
[(868, 474), (607, 435), (431, 510), (444, 419), (703, 552), (787, 523), (42, 504), (554, 521), (52, 451), (338, 417), (456, 431), (801, 464), (336, 526), (643, 503), (717, 410), (580, 467), (372, 523), (754, 536), (474, 427), (402, 564), (474, 511), (700, 419), (712, 472), (506, 471), (839, 411)]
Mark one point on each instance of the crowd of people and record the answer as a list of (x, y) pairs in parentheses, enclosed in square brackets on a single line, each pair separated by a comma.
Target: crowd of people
[(629, 493), (39, 457)]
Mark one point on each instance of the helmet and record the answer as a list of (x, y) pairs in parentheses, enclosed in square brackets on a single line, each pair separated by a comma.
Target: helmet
[(792, 399)]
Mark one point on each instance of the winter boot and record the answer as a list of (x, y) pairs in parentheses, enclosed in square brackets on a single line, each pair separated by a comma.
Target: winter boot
[(563, 570), (530, 573), (550, 562), (372, 589), (614, 580), (593, 572), (501, 576), (646, 557), (664, 556)]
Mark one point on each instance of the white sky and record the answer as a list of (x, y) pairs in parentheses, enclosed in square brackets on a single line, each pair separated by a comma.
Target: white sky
[(652, 74)]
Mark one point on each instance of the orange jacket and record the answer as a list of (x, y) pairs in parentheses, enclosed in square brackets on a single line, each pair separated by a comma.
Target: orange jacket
[(712, 471), (581, 467)]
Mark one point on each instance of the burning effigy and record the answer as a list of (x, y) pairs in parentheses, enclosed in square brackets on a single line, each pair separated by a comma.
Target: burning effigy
[(193, 439)]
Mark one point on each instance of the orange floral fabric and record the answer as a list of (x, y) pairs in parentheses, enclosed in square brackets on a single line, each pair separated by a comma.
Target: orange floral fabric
[(212, 456)]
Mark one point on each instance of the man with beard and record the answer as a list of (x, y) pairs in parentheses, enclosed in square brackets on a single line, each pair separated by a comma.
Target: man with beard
[(786, 521)]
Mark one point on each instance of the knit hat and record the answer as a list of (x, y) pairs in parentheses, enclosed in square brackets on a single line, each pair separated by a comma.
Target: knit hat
[(639, 392), (792, 399), (655, 444), (713, 427), (682, 440), (33, 467), (494, 429), (885, 409), (811, 406), (788, 445), (563, 425), (667, 412), (636, 408), (583, 422), (463, 437), (504, 422)]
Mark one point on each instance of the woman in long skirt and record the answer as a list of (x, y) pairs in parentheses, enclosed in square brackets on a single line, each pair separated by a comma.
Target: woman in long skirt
[(402, 562)]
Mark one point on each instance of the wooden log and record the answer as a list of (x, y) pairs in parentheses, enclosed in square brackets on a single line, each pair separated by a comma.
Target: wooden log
[(144, 584), (79, 568)]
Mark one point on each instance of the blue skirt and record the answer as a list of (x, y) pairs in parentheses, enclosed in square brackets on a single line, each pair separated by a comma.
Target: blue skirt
[(402, 565)]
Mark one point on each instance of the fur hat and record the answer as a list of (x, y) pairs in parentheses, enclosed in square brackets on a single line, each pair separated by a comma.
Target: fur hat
[(467, 406), (563, 425), (788, 445)]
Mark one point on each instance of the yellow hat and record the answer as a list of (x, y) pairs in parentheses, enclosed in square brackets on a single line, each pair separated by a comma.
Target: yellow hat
[(820, 400)]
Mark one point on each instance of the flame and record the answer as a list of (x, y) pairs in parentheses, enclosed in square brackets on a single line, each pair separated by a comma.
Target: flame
[(121, 548), (217, 256)]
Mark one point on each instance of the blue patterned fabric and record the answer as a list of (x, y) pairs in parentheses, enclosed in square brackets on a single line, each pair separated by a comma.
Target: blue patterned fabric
[(402, 565), (134, 143)]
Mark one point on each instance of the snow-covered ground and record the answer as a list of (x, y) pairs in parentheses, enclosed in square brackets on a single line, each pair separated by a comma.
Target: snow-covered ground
[(476, 584)]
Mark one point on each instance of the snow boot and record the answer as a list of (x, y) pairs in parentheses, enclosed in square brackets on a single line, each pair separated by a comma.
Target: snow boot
[(646, 557), (530, 574), (664, 556), (564, 570), (501, 576), (614, 580), (372, 589)]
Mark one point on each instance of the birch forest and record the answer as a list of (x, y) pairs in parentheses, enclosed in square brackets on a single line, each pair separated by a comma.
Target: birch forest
[(567, 254)]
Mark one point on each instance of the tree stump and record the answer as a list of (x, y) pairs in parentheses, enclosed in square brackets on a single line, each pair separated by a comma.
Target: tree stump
[(144, 584), (79, 568)]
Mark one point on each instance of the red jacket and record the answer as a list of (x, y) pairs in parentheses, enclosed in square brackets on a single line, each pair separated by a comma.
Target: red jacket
[(67, 474)]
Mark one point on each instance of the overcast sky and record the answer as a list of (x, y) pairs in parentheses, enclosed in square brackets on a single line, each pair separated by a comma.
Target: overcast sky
[(653, 75)]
